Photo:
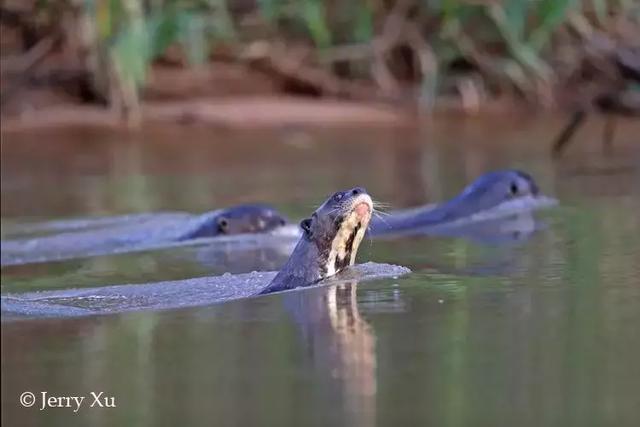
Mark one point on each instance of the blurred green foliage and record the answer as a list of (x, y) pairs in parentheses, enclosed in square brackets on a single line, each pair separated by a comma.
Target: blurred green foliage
[(132, 33), (507, 43)]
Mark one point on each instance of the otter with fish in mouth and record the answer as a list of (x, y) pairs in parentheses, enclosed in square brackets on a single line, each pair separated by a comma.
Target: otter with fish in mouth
[(329, 242)]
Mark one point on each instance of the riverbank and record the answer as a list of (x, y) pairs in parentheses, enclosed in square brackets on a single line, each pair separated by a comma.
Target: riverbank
[(377, 63), (238, 112), (224, 95)]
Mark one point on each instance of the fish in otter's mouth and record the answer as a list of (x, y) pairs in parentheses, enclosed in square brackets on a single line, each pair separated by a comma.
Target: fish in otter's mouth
[(350, 230)]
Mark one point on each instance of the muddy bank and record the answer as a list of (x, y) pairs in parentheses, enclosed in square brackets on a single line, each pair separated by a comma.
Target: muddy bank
[(240, 112)]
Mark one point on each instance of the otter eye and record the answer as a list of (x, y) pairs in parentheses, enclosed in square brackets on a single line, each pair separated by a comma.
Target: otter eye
[(223, 224), (305, 224), (338, 196), (514, 188), (283, 222)]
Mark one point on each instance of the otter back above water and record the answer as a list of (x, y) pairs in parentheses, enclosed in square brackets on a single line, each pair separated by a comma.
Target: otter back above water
[(165, 295)]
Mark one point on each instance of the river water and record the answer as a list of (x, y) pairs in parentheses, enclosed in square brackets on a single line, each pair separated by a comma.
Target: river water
[(537, 330)]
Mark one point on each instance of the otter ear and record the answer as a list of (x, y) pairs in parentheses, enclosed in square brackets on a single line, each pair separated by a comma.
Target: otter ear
[(305, 224)]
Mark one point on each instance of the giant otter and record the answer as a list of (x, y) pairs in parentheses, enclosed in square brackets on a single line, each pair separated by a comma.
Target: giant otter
[(329, 242), (67, 239), (510, 190)]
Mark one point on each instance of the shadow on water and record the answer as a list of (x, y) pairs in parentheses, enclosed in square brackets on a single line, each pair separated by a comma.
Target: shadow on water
[(541, 332)]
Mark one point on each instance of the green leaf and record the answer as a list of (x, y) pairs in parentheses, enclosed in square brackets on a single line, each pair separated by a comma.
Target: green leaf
[(516, 12), (522, 52), (163, 27), (313, 14), (271, 9), (131, 53), (363, 28), (193, 39), (551, 13)]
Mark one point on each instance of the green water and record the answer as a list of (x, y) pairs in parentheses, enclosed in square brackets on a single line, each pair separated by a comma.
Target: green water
[(541, 332)]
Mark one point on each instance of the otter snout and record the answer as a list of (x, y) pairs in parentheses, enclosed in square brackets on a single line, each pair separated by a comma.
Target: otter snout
[(361, 205), (358, 194), (362, 210)]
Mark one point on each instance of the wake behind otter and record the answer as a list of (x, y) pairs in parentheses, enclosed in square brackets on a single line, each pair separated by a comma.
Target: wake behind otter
[(173, 294)]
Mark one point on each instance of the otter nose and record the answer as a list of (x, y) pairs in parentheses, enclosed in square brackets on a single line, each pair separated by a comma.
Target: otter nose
[(358, 190)]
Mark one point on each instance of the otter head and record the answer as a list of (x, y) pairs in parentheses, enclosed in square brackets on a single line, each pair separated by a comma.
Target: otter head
[(503, 184), (492, 190), (337, 227), (256, 218), (521, 184)]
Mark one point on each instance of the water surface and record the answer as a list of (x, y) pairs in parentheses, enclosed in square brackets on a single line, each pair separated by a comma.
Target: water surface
[(540, 330)]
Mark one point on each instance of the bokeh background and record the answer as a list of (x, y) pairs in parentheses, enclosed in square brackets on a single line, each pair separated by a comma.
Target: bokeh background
[(464, 55)]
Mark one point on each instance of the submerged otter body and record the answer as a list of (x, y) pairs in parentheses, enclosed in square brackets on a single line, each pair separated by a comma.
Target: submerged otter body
[(329, 242), (60, 240), (496, 193)]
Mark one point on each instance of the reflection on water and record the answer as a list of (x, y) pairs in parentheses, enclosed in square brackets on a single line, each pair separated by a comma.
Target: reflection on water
[(538, 332), (341, 347)]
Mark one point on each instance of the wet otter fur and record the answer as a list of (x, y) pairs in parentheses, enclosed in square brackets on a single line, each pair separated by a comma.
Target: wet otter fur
[(489, 191), (241, 219), (329, 243)]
